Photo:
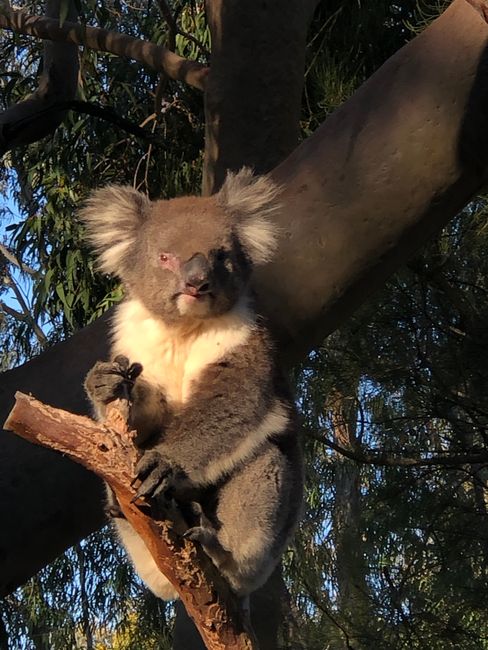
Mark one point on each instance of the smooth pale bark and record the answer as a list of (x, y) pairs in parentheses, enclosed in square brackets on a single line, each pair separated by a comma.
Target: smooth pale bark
[(383, 174), (367, 189), (154, 56)]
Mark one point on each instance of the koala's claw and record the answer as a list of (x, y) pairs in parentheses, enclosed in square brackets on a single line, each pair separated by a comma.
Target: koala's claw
[(107, 381), (128, 370), (155, 473), (203, 532), (205, 536), (114, 512)]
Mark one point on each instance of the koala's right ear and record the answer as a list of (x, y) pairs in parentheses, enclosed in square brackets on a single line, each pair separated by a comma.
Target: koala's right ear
[(112, 217)]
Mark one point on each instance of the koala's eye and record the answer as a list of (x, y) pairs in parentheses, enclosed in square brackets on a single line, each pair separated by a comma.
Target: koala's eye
[(168, 261), (220, 255)]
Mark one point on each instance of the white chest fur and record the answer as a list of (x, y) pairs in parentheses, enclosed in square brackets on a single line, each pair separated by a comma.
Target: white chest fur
[(171, 357)]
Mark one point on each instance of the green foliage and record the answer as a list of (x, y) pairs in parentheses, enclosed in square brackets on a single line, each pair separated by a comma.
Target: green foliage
[(411, 370), (49, 179), (88, 598), (386, 556)]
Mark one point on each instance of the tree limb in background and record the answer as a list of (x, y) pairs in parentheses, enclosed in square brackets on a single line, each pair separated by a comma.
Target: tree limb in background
[(26, 314), (109, 451), (361, 195), (108, 114), (38, 115), (385, 459), (13, 259), (157, 57)]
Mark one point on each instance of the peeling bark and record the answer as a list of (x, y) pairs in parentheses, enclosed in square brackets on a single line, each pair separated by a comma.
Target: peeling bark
[(109, 451), (384, 173)]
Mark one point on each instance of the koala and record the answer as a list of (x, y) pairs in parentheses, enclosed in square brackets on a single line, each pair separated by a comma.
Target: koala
[(215, 422)]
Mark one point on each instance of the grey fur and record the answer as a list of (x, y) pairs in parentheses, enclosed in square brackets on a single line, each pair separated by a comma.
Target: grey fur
[(212, 411)]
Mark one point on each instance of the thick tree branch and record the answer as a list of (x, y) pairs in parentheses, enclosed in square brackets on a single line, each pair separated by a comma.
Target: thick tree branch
[(37, 116), (154, 56), (481, 7), (109, 451), (365, 191)]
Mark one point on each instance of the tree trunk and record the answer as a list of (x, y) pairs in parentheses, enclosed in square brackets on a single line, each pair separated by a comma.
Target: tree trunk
[(38, 115), (254, 89), (353, 591), (360, 195)]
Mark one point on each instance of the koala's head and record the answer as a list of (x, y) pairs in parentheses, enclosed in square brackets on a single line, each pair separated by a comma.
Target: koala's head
[(187, 258)]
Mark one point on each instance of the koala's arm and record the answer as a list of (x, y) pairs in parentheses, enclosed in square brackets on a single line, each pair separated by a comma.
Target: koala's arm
[(234, 408)]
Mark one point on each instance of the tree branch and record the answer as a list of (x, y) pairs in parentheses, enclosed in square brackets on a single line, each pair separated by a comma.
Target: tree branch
[(10, 282), (13, 259), (109, 451), (481, 7), (154, 56), (108, 114), (36, 117), (383, 459)]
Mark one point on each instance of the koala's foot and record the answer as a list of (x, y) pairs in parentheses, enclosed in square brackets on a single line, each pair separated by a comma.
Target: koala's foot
[(206, 535), (114, 512), (169, 509), (111, 380), (112, 508)]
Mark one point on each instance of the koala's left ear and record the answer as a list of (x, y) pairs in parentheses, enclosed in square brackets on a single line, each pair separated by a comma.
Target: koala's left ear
[(252, 201)]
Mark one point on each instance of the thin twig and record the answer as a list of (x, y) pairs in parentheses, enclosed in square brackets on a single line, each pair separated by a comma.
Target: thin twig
[(174, 30), (10, 282), (13, 259), (383, 459)]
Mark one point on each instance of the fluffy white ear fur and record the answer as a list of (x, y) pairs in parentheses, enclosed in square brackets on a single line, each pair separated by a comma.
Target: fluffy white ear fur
[(253, 201), (112, 216)]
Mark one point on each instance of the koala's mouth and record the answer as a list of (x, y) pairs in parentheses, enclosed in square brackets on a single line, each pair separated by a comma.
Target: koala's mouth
[(198, 292), (194, 296), (198, 305)]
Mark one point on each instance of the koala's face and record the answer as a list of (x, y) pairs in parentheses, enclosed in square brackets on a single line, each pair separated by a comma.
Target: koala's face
[(188, 262), (188, 258)]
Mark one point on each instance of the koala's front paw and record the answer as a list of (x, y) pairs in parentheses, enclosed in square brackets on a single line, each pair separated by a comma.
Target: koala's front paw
[(111, 380), (155, 474)]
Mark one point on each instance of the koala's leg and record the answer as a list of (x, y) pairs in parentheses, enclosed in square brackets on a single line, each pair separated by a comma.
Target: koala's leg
[(258, 508), (137, 551), (143, 561)]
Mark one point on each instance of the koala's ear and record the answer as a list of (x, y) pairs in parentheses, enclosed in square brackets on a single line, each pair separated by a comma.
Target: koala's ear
[(253, 202), (112, 216)]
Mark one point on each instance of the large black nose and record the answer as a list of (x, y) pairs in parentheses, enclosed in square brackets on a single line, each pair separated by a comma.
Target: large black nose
[(196, 274)]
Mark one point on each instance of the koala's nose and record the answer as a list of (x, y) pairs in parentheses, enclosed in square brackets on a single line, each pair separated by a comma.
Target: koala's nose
[(196, 274)]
